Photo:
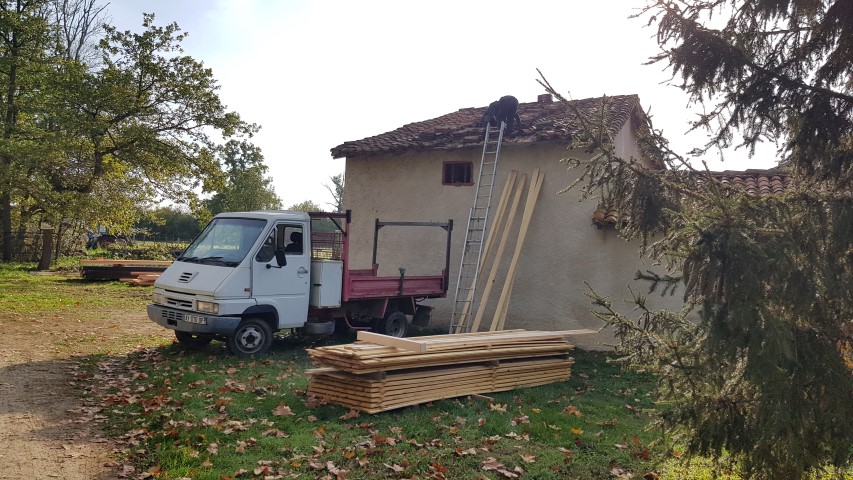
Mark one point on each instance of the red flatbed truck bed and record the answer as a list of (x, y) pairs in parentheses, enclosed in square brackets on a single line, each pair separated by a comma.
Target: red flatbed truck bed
[(364, 287)]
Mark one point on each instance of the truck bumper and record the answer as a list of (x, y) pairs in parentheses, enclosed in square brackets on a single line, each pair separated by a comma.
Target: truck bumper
[(191, 321)]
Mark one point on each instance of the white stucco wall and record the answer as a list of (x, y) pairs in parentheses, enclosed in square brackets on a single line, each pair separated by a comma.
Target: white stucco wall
[(562, 250)]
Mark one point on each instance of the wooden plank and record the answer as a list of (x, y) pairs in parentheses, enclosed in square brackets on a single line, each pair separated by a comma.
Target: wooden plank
[(439, 359), (388, 341), (509, 185), (463, 350), (431, 345), (124, 263), (484, 300), (375, 405), (530, 205)]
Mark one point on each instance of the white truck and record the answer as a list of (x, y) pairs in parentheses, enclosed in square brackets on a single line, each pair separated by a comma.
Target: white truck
[(250, 274)]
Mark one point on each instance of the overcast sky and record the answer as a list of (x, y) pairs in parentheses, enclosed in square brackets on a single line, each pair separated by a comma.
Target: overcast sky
[(315, 74)]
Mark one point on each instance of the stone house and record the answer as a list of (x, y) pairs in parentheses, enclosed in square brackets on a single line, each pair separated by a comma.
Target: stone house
[(425, 171)]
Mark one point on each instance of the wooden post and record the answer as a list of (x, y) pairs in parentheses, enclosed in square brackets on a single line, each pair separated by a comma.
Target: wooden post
[(46, 247), (481, 309), (532, 195)]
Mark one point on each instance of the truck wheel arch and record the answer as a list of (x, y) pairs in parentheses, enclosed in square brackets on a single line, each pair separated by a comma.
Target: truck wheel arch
[(380, 308), (266, 312)]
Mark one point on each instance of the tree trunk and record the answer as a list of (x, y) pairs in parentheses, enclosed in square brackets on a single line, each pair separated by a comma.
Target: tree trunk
[(46, 249), (6, 224)]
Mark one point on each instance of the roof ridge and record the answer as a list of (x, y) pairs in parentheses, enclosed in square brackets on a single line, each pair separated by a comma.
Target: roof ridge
[(541, 122)]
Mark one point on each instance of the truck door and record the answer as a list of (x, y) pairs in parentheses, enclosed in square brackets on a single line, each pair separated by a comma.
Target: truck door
[(285, 288)]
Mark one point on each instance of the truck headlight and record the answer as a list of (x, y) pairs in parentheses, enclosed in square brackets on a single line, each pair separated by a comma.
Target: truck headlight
[(207, 307), (158, 298)]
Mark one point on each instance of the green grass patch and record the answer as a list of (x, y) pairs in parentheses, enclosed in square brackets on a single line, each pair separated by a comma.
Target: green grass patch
[(204, 415), (24, 293)]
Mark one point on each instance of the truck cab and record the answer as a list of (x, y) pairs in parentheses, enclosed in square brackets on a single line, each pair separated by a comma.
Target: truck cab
[(246, 275)]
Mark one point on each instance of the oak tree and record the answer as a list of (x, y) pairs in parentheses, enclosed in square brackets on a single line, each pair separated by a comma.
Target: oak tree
[(247, 187)]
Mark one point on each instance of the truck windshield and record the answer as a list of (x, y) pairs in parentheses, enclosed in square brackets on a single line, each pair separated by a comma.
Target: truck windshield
[(224, 242)]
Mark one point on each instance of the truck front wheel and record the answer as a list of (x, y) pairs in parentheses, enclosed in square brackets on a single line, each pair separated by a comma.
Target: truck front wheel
[(252, 337), (394, 324)]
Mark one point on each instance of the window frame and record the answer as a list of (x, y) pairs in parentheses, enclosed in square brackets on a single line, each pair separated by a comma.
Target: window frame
[(469, 166)]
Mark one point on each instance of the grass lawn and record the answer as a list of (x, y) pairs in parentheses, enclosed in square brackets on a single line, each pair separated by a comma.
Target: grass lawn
[(205, 415), (209, 415)]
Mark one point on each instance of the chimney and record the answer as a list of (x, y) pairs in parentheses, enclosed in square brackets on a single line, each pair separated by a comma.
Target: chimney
[(544, 98)]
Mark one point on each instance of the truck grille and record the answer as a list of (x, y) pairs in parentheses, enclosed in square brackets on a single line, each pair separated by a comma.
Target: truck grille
[(179, 303), (172, 315)]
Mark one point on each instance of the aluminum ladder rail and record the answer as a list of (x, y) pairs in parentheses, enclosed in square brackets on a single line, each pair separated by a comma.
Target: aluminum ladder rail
[(475, 232)]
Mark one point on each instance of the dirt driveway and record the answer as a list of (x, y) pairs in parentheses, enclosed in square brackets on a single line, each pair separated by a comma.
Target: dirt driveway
[(46, 429)]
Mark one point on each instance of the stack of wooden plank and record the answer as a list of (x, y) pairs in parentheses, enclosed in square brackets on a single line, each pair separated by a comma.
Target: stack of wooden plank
[(136, 272), (381, 373)]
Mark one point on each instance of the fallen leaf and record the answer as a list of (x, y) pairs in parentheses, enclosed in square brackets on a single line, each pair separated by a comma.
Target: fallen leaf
[(497, 407), (459, 452), (528, 458), (523, 419), (351, 414), (282, 410), (395, 467), (576, 431), (263, 470), (570, 410), (491, 463)]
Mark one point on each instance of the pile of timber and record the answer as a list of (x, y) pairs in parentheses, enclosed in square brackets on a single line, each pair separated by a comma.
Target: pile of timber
[(381, 373), (135, 272)]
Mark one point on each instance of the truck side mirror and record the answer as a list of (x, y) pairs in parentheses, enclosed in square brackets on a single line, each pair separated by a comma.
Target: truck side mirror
[(280, 258)]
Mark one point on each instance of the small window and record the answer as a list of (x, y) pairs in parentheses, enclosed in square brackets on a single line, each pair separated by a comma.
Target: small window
[(282, 237), (457, 173), (293, 240)]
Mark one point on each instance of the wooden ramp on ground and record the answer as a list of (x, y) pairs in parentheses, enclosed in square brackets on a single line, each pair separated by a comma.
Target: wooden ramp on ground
[(393, 372)]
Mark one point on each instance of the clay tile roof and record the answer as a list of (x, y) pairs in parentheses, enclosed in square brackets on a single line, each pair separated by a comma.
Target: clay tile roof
[(756, 182), (540, 121)]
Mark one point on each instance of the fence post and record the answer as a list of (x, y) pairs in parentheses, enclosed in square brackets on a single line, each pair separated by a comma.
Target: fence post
[(46, 247)]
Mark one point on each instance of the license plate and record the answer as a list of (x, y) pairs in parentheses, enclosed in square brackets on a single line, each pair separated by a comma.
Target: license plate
[(198, 319)]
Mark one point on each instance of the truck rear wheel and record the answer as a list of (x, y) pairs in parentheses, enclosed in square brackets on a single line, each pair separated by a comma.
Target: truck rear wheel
[(192, 341), (394, 324), (252, 337)]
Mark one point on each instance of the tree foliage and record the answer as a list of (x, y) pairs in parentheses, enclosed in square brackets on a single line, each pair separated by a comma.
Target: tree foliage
[(247, 187), (169, 223), (759, 366), (99, 130), (306, 206)]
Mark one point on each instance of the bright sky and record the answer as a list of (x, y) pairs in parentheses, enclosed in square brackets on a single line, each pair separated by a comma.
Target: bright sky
[(315, 74)]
